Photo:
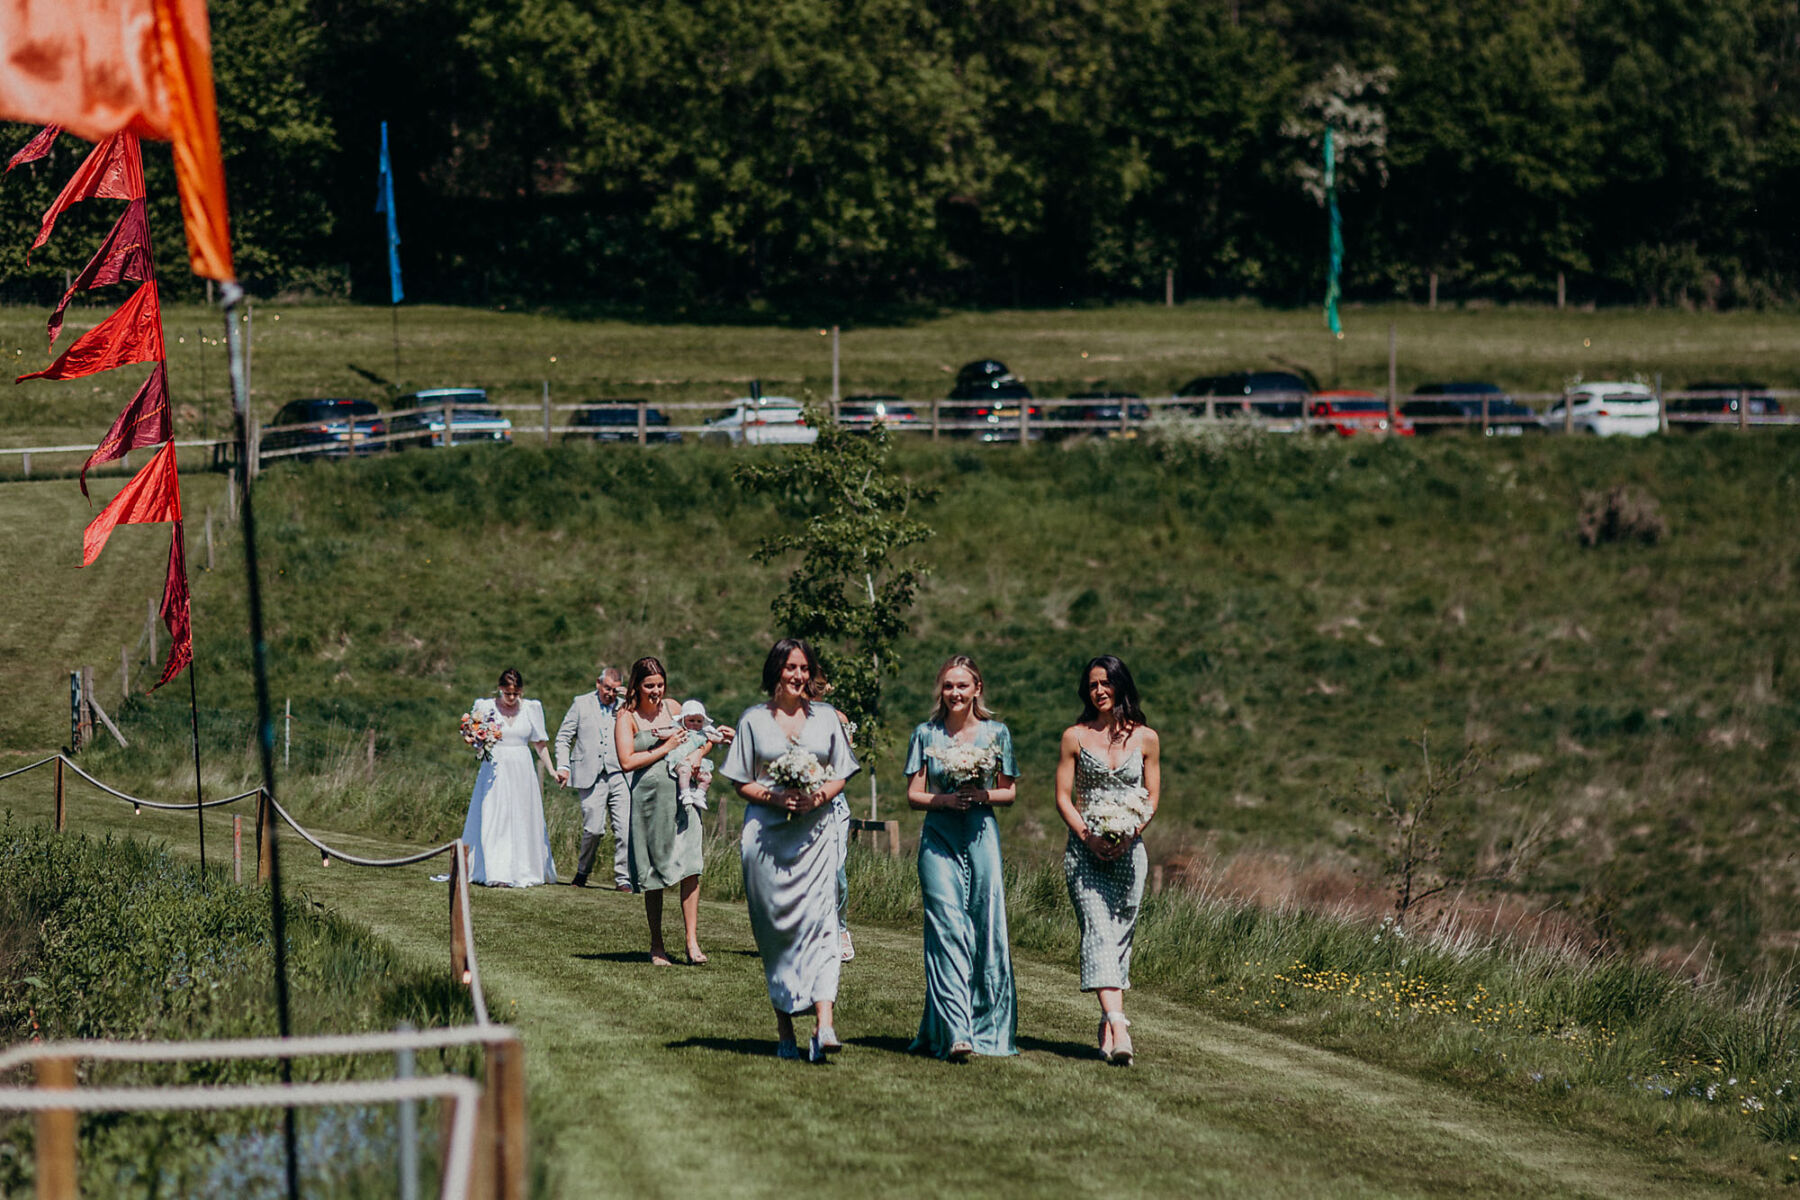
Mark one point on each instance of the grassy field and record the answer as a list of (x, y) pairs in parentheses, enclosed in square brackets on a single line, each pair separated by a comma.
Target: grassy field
[(661, 1082), (350, 351), (1298, 611)]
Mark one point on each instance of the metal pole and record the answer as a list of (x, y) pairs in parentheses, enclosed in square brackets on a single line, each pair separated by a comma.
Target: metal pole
[(409, 1123), (194, 725), (287, 730), (232, 295), (396, 309)]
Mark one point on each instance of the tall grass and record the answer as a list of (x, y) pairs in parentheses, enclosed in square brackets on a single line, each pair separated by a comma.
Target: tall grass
[(117, 939)]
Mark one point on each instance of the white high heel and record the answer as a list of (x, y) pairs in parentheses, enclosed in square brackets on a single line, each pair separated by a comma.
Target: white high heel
[(1121, 1053)]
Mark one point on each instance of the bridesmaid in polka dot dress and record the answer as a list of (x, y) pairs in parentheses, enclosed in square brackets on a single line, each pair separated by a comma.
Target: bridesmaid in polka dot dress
[(1108, 750)]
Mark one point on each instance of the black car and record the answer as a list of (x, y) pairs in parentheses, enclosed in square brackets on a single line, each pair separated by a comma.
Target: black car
[(321, 427), (861, 414), (1102, 413), (1721, 405), (1457, 407), (618, 422), (982, 372), (1278, 397)]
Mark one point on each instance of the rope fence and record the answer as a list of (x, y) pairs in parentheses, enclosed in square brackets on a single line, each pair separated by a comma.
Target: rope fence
[(491, 1153)]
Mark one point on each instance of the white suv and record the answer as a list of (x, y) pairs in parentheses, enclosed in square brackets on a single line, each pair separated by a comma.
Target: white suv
[(1606, 409), (773, 420)]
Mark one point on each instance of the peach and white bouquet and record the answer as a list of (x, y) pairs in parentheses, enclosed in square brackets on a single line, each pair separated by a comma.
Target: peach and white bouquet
[(482, 732)]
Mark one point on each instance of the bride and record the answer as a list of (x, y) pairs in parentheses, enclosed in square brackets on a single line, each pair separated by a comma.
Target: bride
[(505, 829)]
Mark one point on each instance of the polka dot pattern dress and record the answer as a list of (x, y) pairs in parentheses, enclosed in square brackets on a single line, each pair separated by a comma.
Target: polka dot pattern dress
[(1106, 895)]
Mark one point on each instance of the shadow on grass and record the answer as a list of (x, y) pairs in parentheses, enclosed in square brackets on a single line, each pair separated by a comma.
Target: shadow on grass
[(752, 1047), (1076, 1050), (892, 1045)]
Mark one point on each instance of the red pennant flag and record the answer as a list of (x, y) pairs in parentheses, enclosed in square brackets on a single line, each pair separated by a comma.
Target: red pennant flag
[(132, 334), (145, 422), (153, 495), (177, 610), (38, 147), (125, 254), (113, 170), (99, 66)]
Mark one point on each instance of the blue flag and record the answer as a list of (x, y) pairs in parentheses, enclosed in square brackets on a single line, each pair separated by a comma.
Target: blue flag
[(1337, 237), (384, 203)]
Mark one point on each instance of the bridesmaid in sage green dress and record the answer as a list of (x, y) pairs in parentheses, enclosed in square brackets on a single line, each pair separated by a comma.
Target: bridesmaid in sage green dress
[(665, 843), (1109, 751), (970, 1002)]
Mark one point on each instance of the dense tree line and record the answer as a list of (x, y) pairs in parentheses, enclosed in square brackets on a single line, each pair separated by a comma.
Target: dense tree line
[(683, 152)]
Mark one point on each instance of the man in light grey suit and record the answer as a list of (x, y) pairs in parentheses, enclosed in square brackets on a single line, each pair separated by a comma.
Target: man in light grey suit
[(587, 761)]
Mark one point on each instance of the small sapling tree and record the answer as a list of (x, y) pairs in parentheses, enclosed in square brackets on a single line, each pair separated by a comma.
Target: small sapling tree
[(847, 513)]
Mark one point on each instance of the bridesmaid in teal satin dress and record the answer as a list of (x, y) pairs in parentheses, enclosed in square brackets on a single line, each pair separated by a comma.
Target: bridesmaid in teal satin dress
[(970, 1002)]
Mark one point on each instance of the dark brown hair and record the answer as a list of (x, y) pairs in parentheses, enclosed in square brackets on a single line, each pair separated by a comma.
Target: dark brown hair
[(1126, 709), (511, 678), (641, 670), (778, 656)]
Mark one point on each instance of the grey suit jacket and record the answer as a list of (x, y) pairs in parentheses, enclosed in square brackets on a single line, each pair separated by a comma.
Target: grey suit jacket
[(584, 741)]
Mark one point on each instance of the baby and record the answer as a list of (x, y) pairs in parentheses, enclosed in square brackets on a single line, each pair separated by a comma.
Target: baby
[(687, 761)]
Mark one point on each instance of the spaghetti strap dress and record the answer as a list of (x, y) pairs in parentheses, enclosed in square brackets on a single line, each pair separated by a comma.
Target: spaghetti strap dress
[(1106, 895), (969, 992)]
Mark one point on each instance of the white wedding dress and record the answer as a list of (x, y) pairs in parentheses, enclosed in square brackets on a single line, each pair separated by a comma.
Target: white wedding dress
[(505, 828)]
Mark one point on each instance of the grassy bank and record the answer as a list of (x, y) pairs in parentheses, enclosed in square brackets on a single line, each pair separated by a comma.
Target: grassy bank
[(1297, 611), (113, 938), (350, 351)]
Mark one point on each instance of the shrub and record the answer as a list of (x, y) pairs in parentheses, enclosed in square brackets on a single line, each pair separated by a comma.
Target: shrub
[(1623, 514)]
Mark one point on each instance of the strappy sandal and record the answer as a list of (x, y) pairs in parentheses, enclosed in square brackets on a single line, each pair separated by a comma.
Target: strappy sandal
[(1121, 1054)]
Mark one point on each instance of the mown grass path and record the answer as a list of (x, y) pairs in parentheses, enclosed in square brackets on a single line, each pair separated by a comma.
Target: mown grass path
[(660, 1082)]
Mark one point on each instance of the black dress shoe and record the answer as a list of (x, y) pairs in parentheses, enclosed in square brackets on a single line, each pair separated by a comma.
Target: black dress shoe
[(578, 881)]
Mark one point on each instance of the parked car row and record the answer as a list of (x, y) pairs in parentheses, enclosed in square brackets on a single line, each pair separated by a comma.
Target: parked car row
[(987, 399)]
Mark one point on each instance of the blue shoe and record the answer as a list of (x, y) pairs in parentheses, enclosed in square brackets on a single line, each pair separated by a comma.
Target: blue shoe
[(786, 1048)]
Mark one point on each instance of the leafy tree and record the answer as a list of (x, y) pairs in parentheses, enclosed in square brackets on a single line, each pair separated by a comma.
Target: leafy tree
[(847, 514)]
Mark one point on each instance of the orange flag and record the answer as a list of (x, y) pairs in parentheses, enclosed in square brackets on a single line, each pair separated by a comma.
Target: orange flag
[(153, 495), (97, 67), (132, 334), (114, 169), (177, 610)]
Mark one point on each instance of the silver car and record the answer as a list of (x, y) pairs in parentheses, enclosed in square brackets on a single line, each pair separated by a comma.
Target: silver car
[(472, 419), (772, 420)]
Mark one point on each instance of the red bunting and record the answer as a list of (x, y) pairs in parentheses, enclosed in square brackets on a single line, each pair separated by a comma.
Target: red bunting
[(38, 147), (177, 610), (132, 334), (125, 254), (113, 170), (152, 496), (145, 422)]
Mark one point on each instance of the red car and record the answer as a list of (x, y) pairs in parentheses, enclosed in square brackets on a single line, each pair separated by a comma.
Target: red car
[(1348, 413)]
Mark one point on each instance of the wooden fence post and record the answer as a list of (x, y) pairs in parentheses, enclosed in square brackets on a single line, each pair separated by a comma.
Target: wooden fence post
[(209, 538), (62, 812), (74, 712), (25, 464), (124, 674), (449, 416), (934, 420), (1393, 378), (836, 396), (237, 848), (643, 422), (231, 496), (87, 702), (265, 836), (371, 754), (1743, 407), (1568, 413), (506, 1085), (1168, 287), (546, 412), (1024, 421), (56, 1133), (150, 622)]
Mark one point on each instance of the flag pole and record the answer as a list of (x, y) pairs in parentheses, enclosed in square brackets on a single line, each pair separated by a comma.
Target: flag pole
[(231, 295), (194, 724)]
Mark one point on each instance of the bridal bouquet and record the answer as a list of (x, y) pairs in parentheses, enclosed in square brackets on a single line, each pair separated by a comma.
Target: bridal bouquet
[(798, 771), (1118, 815), (482, 733), (965, 762)]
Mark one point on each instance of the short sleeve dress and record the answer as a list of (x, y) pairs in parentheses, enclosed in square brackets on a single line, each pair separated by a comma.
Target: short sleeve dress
[(505, 832), (791, 862), (667, 842), (969, 992)]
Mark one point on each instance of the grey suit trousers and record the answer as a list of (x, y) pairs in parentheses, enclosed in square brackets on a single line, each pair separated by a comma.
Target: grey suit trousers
[(608, 802)]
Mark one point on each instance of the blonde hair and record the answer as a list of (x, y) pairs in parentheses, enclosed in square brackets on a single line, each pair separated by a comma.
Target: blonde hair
[(981, 710)]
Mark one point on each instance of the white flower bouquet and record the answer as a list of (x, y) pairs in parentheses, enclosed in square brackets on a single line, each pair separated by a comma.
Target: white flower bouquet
[(482, 733), (1117, 815), (798, 770), (964, 762)]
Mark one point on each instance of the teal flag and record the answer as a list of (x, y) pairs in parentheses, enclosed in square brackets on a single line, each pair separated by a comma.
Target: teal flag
[(384, 203), (1337, 237)]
